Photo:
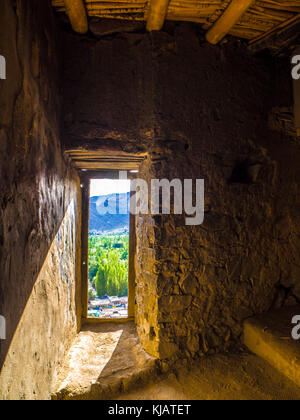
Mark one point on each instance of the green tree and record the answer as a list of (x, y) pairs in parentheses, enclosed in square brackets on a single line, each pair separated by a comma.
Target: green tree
[(108, 264), (101, 282)]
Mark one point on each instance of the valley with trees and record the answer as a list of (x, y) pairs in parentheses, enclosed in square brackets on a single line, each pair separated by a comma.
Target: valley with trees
[(108, 265)]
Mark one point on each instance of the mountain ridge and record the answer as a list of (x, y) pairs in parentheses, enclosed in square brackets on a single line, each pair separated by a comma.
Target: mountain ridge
[(109, 223)]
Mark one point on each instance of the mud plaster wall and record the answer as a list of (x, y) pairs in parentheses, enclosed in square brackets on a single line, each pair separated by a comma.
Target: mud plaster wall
[(204, 112), (39, 219)]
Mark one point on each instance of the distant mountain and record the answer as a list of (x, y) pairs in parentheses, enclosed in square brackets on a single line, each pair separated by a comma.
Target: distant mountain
[(109, 223)]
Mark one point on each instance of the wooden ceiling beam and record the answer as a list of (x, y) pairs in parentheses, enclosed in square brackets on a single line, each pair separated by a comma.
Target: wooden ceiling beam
[(76, 12), (228, 19), (157, 13)]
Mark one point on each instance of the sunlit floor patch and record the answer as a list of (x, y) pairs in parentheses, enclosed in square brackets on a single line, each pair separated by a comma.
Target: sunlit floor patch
[(103, 359)]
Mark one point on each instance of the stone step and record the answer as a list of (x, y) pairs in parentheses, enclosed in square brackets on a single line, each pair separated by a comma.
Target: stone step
[(104, 361), (270, 337)]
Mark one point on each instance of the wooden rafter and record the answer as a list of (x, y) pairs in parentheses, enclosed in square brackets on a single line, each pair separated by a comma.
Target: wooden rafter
[(157, 14), (76, 11), (261, 18), (228, 19)]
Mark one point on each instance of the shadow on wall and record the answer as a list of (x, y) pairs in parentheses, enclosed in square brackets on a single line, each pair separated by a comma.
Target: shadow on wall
[(39, 196), (38, 333)]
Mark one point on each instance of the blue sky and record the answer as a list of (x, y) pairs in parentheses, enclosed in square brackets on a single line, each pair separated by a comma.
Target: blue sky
[(108, 186)]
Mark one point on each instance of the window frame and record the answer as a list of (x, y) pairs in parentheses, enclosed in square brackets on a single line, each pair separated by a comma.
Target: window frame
[(86, 176)]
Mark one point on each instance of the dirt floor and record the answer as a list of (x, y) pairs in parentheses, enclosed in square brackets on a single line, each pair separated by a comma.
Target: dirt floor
[(221, 377), (106, 361)]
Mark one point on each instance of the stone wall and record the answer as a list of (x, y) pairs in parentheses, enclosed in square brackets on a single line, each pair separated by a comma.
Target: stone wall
[(215, 117), (205, 112), (39, 201)]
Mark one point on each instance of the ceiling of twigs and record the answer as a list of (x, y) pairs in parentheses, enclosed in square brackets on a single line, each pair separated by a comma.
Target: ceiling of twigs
[(260, 18)]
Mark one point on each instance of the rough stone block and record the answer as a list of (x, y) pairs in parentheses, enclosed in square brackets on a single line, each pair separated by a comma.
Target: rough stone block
[(270, 337)]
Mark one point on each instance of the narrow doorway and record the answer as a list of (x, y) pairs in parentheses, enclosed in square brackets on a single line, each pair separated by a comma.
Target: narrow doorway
[(108, 249)]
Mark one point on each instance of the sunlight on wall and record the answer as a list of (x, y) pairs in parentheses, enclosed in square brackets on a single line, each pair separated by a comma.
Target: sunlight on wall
[(48, 324)]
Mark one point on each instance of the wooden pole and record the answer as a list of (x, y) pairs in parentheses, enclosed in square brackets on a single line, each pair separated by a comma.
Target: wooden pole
[(157, 14), (229, 18), (77, 14), (85, 245)]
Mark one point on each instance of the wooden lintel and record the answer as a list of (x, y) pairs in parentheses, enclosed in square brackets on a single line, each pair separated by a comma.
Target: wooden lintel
[(100, 159), (77, 14), (228, 19), (123, 166), (157, 14)]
